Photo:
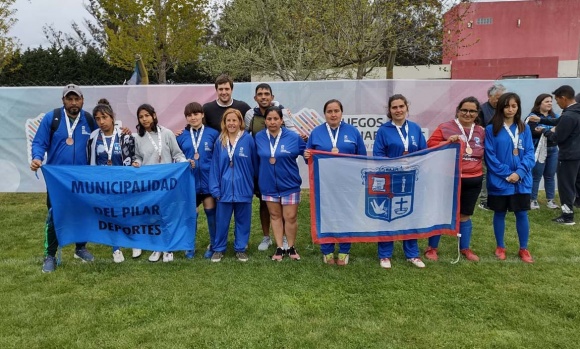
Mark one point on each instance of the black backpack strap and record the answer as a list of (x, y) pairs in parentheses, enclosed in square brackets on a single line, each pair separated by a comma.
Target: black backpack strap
[(57, 113)]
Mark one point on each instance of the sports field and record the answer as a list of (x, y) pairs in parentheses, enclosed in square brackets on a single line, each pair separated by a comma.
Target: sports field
[(304, 304)]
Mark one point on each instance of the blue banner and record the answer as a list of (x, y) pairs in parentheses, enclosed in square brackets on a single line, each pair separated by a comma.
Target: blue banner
[(151, 207)]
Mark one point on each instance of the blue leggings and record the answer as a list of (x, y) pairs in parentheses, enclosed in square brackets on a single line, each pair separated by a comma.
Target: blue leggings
[(465, 229), (522, 227)]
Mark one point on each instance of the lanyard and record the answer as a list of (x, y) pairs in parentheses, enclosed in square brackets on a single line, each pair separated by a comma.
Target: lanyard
[(70, 129), (109, 148), (468, 147), (333, 140), (196, 144), (232, 148), (273, 147), (405, 139), (158, 148), (514, 138)]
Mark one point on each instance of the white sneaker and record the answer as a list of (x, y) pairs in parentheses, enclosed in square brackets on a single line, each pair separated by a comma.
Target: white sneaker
[(552, 204), (266, 242), (154, 256), (118, 256), (167, 257), (285, 243), (386, 263), (534, 205), (417, 262), (136, 253)]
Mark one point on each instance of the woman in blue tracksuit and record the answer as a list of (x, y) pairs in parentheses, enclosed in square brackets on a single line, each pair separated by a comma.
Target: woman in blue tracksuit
[(509, 156), (395, 138), (337, 137), (279, 179), (231, 183), (107, 146), (197, 142)]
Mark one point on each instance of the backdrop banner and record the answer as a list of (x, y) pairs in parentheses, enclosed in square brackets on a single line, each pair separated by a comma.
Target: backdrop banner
[(357, 198), (151, 207)]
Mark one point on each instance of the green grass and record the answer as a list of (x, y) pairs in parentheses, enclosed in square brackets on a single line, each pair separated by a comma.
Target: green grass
[(305, 304)]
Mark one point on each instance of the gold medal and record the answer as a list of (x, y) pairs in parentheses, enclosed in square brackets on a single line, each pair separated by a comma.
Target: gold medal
[(70, 141), (468, 150), (196, 156), (515, 152), (272, 160), (334, 150), (109, 162)]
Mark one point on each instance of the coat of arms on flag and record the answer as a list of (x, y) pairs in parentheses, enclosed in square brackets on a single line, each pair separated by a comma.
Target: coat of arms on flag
[(389, 193)]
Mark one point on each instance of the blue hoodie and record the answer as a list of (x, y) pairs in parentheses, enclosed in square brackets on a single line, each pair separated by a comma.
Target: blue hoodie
[(234, 184), (59, 153), (205, 150), (349, 139), (282, 178), (388, 142)]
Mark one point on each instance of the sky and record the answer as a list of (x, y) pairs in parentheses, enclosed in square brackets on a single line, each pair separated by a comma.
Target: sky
[(32, 15)]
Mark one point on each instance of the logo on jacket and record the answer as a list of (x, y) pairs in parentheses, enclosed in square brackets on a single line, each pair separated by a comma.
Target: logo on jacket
[(389, 192), (206, 146), (241, 153)]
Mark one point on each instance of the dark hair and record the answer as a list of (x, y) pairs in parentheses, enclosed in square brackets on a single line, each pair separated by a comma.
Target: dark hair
[(222, 79), (538, 101), (148, 108), (565, 91), (263, 86), (192, 108), (104, 107), (275, 109), (577, 98), (394, 98), (469, 99), (498, 118), (332, 101)]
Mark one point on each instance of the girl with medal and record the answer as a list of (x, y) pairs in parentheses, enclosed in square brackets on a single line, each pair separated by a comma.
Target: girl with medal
[(107, 146), (231, 183), (155, 145), (197, 143), (509, 156), (279, 179), (463, 128), (395, 138), (338, 137)]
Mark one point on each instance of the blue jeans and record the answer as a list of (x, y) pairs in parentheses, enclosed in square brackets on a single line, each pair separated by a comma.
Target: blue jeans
[(548, 171)]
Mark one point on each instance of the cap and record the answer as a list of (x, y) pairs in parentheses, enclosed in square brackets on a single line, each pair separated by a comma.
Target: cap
[(72, 88)]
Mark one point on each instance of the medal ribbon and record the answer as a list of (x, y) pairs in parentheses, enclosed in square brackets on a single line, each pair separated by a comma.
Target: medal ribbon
[(515, 137), (159, 148), (70, 129), (199, 135), (334, 140), (232, 148), (109, 148), (463, 131), (275, 146), (405, 139)]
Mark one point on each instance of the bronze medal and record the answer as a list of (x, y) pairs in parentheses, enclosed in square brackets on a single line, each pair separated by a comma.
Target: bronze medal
[(405, 152), (272, 160), (109, 162), (468, 150), (334, 150), (516, 152), (196, 156), (231, 164), (70, 141)]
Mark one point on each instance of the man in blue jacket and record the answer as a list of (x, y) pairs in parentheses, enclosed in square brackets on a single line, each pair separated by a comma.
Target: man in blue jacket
[(62, 134)]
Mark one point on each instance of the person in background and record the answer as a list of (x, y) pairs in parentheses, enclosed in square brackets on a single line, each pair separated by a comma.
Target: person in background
[(214, 110), (107, 146), (338, 137), (485, 115), (279, 179), (509, 155), (155, 145), (62, 135), (546, 153), (395, 138), (464, 129), (197, 143), (231, 183)]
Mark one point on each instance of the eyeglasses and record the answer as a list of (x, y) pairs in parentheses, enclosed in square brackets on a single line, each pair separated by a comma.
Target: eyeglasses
[(465, 111)]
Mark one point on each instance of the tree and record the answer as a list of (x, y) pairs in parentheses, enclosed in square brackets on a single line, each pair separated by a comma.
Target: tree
[(8, 45)]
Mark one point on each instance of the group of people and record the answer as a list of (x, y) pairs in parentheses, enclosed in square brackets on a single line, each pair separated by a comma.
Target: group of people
[(237, 152)]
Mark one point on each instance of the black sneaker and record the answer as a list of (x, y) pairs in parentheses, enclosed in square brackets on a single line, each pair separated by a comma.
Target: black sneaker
[(564, 220), (279, 255), (483, 205)]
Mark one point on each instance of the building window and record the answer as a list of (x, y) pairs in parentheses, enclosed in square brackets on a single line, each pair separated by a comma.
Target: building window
[(484, 21)]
